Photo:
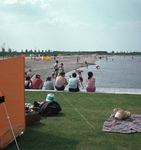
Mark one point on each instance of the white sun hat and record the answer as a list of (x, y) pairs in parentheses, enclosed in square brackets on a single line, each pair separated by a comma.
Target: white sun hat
[(50, 97)]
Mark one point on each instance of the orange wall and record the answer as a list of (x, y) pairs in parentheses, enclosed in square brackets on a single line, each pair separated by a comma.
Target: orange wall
[(12, 88)]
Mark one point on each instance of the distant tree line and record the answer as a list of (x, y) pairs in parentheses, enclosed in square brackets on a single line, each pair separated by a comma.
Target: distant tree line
[(10, 52), (125, 53)]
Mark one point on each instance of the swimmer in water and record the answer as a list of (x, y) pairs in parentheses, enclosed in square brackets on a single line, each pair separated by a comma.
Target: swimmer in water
[(97, 67)]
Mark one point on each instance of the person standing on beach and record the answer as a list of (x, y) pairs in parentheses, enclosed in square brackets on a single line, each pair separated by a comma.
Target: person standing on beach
[(56, 68), (77, 59), (86, 63), (29, 73), (61, 68)]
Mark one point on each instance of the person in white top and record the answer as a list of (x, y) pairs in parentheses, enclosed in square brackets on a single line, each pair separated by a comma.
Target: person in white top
[(48, 85), (61, 68)]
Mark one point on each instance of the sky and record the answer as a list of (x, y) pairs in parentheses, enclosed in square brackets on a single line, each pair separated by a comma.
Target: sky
[(71, 25)]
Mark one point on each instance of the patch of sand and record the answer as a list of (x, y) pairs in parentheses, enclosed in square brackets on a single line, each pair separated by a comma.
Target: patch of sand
[(46, 67)]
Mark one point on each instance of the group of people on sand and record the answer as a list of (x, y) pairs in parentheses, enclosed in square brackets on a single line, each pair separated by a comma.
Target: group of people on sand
[(77, 60), (36, 84), (58, 80), (74, 83)]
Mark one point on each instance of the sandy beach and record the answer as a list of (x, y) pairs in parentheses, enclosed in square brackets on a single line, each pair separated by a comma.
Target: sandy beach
[(46, 67)]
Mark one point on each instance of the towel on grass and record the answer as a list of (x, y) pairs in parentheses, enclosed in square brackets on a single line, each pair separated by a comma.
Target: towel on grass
[(123, 126)]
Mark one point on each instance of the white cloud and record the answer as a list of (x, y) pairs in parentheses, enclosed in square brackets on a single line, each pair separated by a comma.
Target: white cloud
[(32, 1), (22, 1), (137, 0), (28, 8), (78, 23), (62, 21), (52, 21), (44, 6), (10, 1), (129, 23), (102, 25)]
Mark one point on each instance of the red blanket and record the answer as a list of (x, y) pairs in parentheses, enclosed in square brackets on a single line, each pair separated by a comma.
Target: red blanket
[(123, 126)]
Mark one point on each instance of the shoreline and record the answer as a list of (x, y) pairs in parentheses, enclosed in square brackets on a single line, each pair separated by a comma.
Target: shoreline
[(46, 67)]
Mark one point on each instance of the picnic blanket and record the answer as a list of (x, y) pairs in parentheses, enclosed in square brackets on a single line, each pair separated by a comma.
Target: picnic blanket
[(123, 126)]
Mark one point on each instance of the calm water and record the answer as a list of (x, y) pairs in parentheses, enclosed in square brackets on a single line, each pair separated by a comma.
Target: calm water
[(119, 73)]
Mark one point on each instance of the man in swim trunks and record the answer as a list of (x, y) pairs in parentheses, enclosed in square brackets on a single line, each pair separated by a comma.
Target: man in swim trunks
[(29, 73), (61, 82)]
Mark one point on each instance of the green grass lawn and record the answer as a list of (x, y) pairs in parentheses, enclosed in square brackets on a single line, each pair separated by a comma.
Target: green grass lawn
[(68, 130)]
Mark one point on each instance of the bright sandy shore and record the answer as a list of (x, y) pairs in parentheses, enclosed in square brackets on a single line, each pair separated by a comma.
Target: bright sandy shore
[(46, 67)]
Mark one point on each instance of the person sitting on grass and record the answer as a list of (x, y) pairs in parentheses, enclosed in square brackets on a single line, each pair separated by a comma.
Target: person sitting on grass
[(90, 83), (28, 83), (48, 85), (37, 83), (73, 83), (61, 82)]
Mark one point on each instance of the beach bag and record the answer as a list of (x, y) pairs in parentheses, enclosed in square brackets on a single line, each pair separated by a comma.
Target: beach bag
[(49, 108), (32, 119)]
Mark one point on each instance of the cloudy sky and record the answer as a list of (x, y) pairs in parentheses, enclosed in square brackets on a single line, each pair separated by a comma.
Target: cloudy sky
[(100, 25)]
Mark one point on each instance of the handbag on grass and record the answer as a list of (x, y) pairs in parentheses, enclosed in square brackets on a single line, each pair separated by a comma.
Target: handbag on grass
[(32, 119)]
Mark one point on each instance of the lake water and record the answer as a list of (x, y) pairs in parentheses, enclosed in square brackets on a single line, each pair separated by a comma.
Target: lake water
[(122, 72)]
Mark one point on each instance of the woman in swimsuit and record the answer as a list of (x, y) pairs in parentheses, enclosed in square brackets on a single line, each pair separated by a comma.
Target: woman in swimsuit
[(28, 83), (90, 83)]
